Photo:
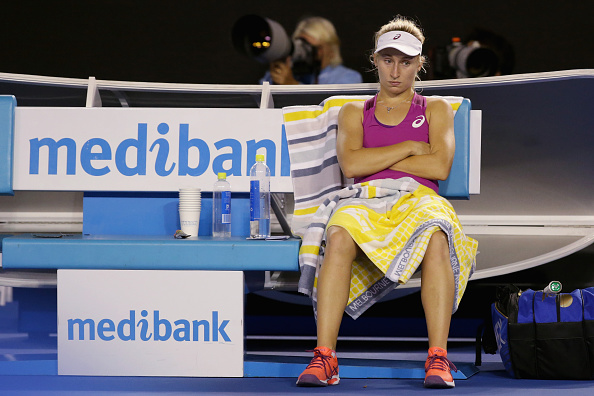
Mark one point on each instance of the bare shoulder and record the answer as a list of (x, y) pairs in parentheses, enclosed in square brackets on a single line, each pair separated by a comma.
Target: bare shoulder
[(353, 107), (439, 109), (351, 111), (438, 104)]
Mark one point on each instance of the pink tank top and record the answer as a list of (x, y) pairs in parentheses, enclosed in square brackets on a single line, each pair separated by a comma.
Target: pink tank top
[(413, 127)]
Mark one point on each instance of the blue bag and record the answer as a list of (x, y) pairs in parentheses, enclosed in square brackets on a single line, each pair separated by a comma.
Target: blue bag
[(545, 336)]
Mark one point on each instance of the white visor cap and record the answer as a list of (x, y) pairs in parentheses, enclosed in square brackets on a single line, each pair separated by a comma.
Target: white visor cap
[(402, 41)]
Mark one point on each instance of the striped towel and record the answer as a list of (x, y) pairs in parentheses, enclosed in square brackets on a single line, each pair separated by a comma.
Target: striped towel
[(392, 222), (319, 187)]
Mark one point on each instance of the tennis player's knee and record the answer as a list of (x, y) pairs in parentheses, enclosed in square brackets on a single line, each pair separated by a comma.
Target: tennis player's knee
[(338, 240), (439, 246), (439, 239)]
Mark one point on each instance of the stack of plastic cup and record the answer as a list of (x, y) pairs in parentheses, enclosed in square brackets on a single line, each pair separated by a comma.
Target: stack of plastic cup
[(190, 202)]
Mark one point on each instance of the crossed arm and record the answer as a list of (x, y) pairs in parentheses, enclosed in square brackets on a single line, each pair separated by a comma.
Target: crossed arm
[(428, 160)]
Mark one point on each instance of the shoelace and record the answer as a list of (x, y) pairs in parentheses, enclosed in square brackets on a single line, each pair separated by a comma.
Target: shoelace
[(440, 363), (322, 361)]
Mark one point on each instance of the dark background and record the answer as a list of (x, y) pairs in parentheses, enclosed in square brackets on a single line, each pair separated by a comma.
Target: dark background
[(190, 41)]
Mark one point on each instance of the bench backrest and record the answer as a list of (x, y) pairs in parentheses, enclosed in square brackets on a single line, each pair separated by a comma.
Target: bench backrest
[(138, 213), (75, 145)]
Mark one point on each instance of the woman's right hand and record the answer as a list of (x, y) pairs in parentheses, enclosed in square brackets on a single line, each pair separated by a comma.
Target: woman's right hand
[(281, 72), (419, 148)]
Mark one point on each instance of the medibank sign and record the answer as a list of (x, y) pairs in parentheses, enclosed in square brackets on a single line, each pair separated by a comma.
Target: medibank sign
[(150, 323), (153, 328), (145, 149)]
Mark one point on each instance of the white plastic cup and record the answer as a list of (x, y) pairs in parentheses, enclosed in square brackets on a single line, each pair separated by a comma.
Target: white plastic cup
[(190, 203), (189, 196), (189, 220), (190, 192)]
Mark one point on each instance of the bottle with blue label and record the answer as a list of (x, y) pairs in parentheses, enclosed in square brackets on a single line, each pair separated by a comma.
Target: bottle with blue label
[(259, 199), (221, 207)]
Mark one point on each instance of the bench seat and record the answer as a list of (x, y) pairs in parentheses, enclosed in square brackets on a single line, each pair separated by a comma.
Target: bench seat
[(142, 252)]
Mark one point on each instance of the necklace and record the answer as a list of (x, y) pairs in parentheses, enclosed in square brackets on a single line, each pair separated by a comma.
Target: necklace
[(388, 108)]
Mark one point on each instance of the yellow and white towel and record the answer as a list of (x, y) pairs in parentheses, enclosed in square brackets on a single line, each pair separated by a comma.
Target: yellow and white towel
[(392, 222)]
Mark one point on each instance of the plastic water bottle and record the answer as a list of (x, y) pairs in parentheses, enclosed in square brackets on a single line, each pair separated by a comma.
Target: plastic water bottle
[(221, 207), (259, 199)]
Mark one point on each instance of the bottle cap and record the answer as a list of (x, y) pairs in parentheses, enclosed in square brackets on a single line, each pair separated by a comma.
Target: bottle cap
[(222, 175), (259, 157), (553, 287)]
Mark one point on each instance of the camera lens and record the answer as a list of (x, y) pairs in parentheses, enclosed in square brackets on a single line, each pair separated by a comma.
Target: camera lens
[(251, 35), (260, 38), (481, 62), (473, 61)]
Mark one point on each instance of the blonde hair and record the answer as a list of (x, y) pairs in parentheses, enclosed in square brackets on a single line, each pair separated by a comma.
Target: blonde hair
[(403, 24), (324, 31)]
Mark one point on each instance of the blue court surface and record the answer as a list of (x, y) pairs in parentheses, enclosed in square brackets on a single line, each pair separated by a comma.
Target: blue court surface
[(28, 366)]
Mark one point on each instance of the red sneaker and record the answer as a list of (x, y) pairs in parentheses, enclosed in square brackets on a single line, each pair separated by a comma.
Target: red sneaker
[(438, 369), (322, 370)]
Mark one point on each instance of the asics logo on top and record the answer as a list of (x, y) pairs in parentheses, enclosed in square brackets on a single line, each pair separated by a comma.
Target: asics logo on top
[(419, 120), (397, 36)]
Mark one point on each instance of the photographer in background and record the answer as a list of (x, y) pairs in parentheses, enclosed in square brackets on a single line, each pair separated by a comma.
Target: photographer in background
[(317, 61), (481, 53)]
